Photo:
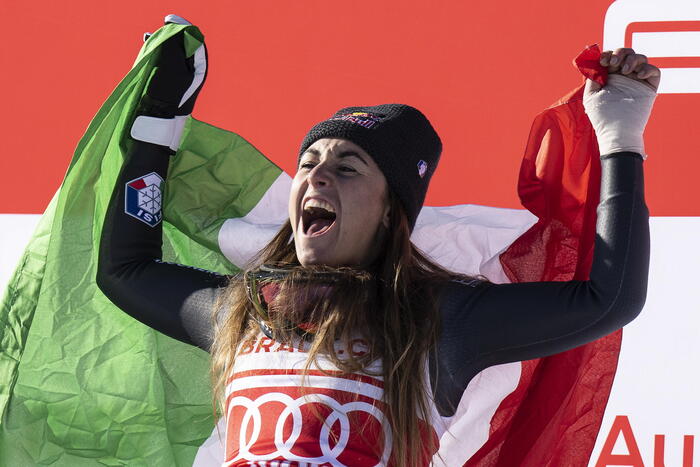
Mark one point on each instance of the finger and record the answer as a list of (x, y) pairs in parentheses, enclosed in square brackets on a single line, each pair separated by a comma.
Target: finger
[(633, 63), (648, 70), (650, 74), (605, 58), (617, 58)]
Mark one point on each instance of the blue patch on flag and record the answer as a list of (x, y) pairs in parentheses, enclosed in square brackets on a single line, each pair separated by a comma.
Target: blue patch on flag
[(143, 199)]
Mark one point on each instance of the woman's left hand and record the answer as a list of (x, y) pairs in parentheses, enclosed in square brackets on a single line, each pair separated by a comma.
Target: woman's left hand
[(619, 111), (632, 65)]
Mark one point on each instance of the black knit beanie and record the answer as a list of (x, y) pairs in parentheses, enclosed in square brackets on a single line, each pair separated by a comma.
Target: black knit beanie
[(399, 138)]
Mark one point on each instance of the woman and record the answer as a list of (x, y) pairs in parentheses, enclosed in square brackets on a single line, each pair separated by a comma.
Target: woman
[(348, 346)]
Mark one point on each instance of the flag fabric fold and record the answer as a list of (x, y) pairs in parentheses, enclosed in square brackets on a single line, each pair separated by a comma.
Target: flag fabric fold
[(82, 383)]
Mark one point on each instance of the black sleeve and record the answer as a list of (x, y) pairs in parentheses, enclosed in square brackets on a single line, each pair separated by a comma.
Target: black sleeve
[(486, 324), (173, 299)]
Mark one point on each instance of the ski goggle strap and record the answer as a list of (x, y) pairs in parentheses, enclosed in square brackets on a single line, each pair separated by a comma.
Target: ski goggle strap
[(263, 284)]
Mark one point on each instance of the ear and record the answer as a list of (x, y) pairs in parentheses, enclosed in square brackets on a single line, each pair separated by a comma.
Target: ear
[(386, 218)]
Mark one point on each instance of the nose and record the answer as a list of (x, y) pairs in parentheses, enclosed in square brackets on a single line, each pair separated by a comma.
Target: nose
[(319, 175)]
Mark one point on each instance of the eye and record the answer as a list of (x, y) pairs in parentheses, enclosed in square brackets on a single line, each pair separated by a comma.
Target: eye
[(306, 165), (347, 169)]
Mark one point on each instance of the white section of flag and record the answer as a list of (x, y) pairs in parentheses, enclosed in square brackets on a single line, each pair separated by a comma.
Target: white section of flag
[(472, 424), (240, 238)]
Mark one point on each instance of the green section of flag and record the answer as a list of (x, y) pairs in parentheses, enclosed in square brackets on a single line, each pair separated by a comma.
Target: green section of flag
[(82, 383)]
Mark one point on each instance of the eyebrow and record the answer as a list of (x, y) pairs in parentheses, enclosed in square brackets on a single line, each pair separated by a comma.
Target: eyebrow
[(348, 153)]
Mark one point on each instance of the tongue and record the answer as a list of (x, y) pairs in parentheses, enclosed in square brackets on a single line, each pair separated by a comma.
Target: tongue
[(318, 226)]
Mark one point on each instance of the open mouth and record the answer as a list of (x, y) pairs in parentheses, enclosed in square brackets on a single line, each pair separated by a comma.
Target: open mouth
[(317, 220)]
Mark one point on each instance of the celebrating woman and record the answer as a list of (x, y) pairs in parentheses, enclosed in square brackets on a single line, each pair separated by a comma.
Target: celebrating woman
[(343, 344)]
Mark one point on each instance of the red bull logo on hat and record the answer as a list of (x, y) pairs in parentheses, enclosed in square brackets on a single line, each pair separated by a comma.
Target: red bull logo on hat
[(364, 119)]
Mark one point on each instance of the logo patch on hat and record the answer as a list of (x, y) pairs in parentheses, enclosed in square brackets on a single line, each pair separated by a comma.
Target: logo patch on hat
[(422, 168), (364, 119), (143, 199)]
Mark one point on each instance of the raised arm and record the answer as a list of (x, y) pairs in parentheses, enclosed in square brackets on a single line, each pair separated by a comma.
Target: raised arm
[(173, 299), (512, 322), (488, 324)]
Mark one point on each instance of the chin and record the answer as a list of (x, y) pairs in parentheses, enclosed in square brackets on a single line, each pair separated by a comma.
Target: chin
[(328, 253), (312, 259), (309, 257)]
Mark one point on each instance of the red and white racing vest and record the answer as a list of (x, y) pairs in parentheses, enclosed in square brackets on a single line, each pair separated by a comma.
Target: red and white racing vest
[(279, 415)]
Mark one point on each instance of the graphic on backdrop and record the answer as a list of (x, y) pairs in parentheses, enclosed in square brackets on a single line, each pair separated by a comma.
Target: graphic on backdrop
[(668, 32)]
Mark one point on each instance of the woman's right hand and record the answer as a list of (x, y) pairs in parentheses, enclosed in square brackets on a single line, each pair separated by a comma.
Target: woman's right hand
[(171, 92)]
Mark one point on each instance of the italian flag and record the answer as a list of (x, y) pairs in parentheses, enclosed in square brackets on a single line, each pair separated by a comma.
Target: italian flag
[(82, 383)]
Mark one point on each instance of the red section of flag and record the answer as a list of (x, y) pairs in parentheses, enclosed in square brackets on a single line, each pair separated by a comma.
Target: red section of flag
[(588, 63), (553, 416)]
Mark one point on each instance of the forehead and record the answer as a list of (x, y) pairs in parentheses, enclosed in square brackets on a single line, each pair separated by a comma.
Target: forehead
[(335, 147)]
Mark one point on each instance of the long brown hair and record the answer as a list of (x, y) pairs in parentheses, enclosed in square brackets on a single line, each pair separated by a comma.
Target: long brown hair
[(394, 306)]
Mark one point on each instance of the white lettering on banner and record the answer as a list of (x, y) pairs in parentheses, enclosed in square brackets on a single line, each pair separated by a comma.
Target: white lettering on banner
[(668, 32), (621, 433)]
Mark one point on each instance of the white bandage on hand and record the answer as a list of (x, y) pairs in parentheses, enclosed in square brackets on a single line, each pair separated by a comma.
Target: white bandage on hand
[(619, 112)]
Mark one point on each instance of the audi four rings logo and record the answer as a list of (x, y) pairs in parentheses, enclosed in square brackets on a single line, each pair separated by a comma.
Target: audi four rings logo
[(312, 428)]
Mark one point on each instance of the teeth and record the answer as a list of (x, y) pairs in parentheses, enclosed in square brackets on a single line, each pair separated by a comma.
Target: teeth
[(317, 203)]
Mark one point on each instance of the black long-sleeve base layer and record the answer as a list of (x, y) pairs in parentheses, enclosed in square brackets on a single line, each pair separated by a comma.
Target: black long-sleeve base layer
[(483, 324)]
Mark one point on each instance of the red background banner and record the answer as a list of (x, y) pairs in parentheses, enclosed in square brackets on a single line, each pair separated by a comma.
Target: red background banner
[(481, 71)]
